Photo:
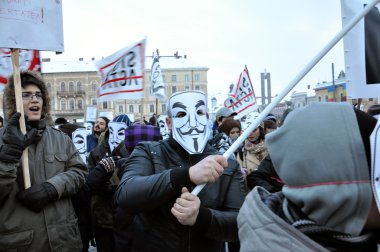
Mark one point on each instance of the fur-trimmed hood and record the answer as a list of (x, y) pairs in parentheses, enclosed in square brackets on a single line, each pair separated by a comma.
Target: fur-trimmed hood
[(27, 78)]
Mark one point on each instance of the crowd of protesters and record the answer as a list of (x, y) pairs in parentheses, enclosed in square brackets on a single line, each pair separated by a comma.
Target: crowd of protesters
[(300, 183)]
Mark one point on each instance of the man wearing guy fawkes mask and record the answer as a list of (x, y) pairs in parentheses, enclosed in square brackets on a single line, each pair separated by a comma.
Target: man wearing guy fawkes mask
[(159, 177)]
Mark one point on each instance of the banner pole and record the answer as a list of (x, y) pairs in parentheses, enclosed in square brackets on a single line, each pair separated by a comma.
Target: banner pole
[(20, 108), (292, 84)]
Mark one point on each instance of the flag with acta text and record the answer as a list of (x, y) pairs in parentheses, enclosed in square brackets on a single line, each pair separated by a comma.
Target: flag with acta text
[(157, 83), (122, 74), (241, 98), (362, 50)]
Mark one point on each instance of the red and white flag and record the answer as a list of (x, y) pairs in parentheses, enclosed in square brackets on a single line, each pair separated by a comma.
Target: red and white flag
[(241, 98), (122, 74), (28, 60)]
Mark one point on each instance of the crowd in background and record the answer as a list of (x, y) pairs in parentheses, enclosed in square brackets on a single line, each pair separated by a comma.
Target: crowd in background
[(300, 183)]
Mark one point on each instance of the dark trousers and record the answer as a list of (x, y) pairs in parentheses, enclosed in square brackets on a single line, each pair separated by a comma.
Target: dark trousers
[(104, 239)]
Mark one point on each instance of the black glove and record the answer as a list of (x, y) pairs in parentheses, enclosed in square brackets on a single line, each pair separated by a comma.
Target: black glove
[(101, 173), (38, 196), (14, 141)]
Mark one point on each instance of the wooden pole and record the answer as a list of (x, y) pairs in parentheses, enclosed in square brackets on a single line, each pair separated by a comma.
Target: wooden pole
[(20, 108)]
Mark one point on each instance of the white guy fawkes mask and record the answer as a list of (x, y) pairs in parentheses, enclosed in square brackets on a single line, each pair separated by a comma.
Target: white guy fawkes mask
[(88, 127), (116, 130), (189, 120), (164, 130), (79, 137)]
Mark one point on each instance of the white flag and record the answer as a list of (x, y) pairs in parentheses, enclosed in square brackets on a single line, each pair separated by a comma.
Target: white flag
[(362, 50), (122, 74), (242, 98), (157, 83)]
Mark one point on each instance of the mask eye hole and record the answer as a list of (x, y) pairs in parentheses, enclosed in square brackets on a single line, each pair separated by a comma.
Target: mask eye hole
[(181, 114), (200, 112)]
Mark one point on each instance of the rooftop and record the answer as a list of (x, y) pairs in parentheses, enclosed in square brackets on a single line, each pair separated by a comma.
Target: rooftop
[(81, 65)]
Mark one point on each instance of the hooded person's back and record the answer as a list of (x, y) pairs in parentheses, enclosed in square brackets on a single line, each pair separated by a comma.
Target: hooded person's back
[(321, 154)]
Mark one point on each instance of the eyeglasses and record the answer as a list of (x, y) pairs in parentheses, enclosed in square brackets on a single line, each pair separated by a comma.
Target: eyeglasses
[(29, 95)]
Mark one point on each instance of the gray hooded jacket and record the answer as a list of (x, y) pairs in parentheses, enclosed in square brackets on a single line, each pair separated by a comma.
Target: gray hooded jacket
[(320, 156)]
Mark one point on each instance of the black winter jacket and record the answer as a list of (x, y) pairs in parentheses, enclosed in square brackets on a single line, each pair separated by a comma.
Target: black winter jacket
[(265, 176), (152, 181)]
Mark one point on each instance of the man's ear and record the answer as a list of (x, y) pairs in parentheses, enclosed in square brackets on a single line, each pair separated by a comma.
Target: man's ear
[(169, 122)]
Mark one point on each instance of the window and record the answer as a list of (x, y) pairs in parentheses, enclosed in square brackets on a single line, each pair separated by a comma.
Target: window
[(94, 102), (72, 104), (79, 86), (187, 77), (151, 108), (71, 86), (105, 105), (174, 77), (163, 107), (94, 85), (163, 77), (326, 98), (341, 97), (121, 109), (48, 86), (196, 77), (80, 104), (63, 87), (63, 104), (174, 89), (140, 109), (197, 87), (187, 88), (131, 108), (370, 99)]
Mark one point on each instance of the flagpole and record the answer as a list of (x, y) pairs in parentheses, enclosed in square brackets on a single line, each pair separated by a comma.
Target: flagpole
[(293, 83)]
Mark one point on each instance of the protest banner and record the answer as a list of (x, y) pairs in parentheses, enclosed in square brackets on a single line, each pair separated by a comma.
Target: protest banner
[(28, 60), (122, 74), (242, 98), (33, 25)]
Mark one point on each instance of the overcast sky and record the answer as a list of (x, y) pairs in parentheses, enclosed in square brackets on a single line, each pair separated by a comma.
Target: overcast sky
[(276, 35)]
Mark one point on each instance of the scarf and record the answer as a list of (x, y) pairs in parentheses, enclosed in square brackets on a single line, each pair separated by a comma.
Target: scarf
[(259, 150), (40, 125)]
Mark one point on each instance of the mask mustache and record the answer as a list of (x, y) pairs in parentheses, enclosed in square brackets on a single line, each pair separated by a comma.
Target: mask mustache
[(190, 131)]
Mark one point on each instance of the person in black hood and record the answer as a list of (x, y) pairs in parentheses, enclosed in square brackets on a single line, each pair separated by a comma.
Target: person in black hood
[(41, 217)]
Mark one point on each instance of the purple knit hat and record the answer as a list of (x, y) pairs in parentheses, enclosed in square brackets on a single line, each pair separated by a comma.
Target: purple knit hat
[(137, 133)]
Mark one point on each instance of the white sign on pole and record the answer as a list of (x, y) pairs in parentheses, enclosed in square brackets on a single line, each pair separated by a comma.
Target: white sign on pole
[(90, 113), (362, 50), (31, 24)]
